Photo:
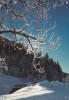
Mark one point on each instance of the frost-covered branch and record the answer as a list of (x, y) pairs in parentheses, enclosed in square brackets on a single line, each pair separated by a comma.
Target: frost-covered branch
[(27, 21)]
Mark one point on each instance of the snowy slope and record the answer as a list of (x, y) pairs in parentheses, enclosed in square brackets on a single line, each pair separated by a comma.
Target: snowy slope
[(41, 91), (8, 82)]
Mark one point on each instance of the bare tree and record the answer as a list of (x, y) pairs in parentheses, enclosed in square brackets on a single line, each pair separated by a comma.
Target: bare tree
[(26, 20)]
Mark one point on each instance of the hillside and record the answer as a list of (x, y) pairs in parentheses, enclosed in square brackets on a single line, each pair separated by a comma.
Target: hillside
[(19, 63)]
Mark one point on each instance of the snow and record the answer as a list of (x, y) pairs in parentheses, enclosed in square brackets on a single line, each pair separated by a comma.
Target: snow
[(8, 82), (41, 91)]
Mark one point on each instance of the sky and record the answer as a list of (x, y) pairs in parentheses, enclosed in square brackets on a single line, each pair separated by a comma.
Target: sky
[(61, 15)]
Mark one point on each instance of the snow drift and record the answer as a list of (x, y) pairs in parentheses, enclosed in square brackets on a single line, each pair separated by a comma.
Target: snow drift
[(41, 91)]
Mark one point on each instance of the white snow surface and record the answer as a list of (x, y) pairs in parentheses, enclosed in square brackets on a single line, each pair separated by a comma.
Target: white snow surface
[(8, 82), (41, 91)]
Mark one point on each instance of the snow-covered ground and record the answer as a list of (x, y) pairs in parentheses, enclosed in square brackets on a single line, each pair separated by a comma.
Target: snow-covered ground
[(8, 82), (41, 91)]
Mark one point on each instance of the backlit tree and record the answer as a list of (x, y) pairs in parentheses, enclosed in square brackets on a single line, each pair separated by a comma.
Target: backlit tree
[(26, 22)]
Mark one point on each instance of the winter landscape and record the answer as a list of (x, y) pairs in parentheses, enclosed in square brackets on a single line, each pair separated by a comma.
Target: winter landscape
[(41, 91), (34, 57)]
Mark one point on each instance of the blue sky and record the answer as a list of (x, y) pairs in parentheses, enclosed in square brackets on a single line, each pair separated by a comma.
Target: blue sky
[(61, 15)]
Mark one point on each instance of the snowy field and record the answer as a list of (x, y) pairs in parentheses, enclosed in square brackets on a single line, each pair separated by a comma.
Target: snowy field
[(41, 91)]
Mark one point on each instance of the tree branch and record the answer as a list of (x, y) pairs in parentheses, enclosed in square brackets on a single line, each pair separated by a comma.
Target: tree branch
[(27, 36)]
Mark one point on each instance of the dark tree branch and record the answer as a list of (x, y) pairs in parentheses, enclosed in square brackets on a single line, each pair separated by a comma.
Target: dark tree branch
[(27, 36), (15, 32)]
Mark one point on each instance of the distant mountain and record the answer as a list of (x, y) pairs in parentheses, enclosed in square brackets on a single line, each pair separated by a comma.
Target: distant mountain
[(19, 62)]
